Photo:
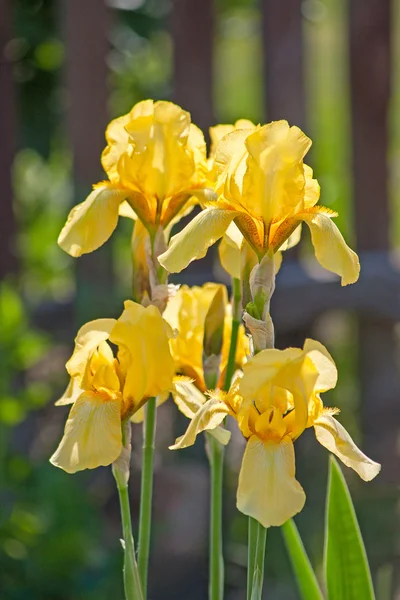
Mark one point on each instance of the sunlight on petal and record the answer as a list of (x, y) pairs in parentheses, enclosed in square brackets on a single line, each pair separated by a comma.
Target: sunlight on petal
[(91, 223), (331, 250), (268, 490), (194, 240), (331, 434), (92, 435)]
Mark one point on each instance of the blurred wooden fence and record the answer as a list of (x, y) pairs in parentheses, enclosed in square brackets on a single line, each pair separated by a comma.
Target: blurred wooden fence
[(299, 298)]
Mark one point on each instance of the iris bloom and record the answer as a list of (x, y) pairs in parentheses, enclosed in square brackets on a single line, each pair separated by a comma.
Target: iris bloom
[(186, 312), (155, 161), (265, 188), (277, 398), (106, 390)]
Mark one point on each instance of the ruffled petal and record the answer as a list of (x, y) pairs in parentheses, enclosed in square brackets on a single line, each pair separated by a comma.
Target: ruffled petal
[(268, 490), (208, 417), (331, 434), (91, 223), (92, 435), (274, 182), (194, 240), (331, 250)]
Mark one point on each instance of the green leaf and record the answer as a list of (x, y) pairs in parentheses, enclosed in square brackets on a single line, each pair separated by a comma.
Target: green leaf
[(304, 573), (346, 565)]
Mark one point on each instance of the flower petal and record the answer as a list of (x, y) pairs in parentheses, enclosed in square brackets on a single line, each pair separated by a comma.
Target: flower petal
[(263, 367), (141, 334), (208, 417), (327, 371), (274, 182), (194, 240), (331, 434), (87, 340), (268, 490), (331, 250), (92, 436), (71, 394), (92, 222)]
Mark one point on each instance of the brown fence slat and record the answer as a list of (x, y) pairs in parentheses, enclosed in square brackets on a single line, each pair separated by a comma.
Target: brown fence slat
[(86, 35), (8, 260), (283, 64), (370, 70), (192, 31)]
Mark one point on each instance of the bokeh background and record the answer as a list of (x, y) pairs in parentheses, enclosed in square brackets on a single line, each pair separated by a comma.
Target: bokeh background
[(68, 66)]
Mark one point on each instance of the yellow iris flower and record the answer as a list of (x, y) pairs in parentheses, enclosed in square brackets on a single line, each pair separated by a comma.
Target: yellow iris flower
[(265, 188), (277, 398), (105, 390), (156, 162), (186, 312)]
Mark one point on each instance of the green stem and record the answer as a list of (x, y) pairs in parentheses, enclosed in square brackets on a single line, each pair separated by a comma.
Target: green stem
[(258, 579), (132, 586), (251, 554), (236, 320), (146, 491), (216, 585), (216, 458)]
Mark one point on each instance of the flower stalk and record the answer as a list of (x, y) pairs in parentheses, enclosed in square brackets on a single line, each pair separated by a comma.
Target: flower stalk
[(216, 458), (146, 491), (258, 320), (215, 452), (120, 469)]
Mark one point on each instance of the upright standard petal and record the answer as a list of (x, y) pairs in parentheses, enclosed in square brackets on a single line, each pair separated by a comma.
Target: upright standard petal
[(141, 334), (268, 490), (194, 240), (88, 338), (331, 434), (331, 250), (92, 436), (92, 222), (274, 182)]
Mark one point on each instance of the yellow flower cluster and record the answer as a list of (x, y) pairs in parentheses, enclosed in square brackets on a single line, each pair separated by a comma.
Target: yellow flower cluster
[(275, 400), (255, 191)]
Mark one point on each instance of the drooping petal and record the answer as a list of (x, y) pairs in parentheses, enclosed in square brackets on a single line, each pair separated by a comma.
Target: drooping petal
[(190, 400), (91, 223), (187, 397), (71, 394), (208, 417), (331, 434), (331, 250), (268, 490), (327, 371), (92, 435), (88, 338), (194, 240)]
